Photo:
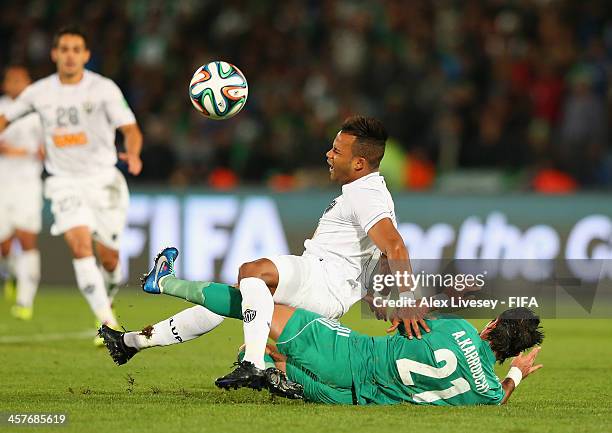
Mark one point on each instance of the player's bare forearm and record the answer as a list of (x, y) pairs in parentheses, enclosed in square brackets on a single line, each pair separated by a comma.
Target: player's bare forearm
[(133, 139), (395, 249), (508, 387), (133, 147), (386, 237), (280, 360), (390, 242)]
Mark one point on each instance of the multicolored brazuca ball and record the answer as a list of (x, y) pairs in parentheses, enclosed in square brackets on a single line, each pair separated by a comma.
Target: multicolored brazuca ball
[(218, 90)]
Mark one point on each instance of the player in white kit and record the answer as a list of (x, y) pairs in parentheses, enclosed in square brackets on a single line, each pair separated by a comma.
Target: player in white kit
[(328, 278), (80, 111), (21, 197)]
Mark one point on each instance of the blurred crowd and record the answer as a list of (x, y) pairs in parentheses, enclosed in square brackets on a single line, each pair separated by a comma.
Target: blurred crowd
[(520, 88)]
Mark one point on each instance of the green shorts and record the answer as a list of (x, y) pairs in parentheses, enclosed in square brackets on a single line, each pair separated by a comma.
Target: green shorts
[(318, 357)]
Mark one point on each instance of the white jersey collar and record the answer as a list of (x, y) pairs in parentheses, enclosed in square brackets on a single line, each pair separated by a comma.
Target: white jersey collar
[(85, 79), (362, 179)]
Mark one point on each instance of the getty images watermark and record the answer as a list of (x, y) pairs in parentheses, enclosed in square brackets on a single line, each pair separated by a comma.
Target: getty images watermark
[(407, 283), (479, 288)]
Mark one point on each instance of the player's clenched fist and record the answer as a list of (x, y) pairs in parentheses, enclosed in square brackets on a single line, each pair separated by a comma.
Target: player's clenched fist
[(133, 161)]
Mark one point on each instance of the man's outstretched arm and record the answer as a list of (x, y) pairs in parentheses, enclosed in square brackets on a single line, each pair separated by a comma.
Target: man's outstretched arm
[(386, 237), (521, 367), (18, 108)]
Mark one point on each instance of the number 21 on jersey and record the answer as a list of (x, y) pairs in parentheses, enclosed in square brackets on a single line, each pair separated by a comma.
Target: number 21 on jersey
[(407, 367)]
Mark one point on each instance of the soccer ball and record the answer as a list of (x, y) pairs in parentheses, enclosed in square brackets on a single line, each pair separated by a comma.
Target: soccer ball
[(218, 90)]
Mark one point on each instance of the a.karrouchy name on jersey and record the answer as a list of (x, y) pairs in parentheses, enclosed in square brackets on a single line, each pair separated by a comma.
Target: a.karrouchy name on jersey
[(79, 121), (25, 133), (342, 233), (451, 365)]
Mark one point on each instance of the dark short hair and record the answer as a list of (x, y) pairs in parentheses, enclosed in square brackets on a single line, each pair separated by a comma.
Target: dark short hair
[(15, 65), (516, 330), (69, 30), (371, 137)]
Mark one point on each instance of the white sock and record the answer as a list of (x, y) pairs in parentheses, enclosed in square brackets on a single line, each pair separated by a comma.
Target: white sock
[(257, 310), (27, 270), (4, 272), (184, 326), (11, 262), (112, 280), (8, 266), (91, 284)]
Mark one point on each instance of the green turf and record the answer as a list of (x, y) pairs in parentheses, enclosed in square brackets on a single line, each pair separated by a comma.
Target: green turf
[(171, 389)]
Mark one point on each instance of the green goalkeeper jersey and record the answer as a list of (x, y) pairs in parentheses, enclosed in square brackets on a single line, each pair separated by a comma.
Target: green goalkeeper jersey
[(451, 365)]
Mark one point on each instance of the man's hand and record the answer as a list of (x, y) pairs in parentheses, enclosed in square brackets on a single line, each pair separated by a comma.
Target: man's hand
[(134, 162), (413, 319), (280, 360), (524, 362)]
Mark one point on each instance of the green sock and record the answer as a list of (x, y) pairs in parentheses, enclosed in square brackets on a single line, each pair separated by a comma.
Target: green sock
[(219, 298)]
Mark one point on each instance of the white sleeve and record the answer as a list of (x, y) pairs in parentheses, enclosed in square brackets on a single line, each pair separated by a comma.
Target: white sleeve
[(116, 106), (368, 205), (21, 106)]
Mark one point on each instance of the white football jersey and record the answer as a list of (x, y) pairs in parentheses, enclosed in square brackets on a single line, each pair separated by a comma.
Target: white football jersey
[(25, 133), (342, 233), (79, 122)]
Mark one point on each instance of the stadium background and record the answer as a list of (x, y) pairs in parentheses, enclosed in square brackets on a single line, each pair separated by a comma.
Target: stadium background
[(485, 102), (498, 113), (516, 90)]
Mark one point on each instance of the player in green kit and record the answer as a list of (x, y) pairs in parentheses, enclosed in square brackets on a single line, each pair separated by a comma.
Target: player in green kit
[(320, 360), (451, 365)]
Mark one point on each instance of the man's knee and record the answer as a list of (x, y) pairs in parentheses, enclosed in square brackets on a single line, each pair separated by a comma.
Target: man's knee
[(263, 269), (110, 261), (80, 243), (81, 249), (5, 247), (253, 269), (28, 240)]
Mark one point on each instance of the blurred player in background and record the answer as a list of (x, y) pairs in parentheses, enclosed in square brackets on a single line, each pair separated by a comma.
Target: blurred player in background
[(21, 197), (80, 111)]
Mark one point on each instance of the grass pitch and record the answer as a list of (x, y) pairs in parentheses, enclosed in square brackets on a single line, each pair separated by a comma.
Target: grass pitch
[(50, 365)]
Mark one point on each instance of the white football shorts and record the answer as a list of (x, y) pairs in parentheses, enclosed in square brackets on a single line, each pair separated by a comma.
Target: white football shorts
[(20, 207), (315, 284), (98, 202)]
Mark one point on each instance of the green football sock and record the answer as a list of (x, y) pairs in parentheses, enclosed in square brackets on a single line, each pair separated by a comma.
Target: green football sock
[(219, 298)]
